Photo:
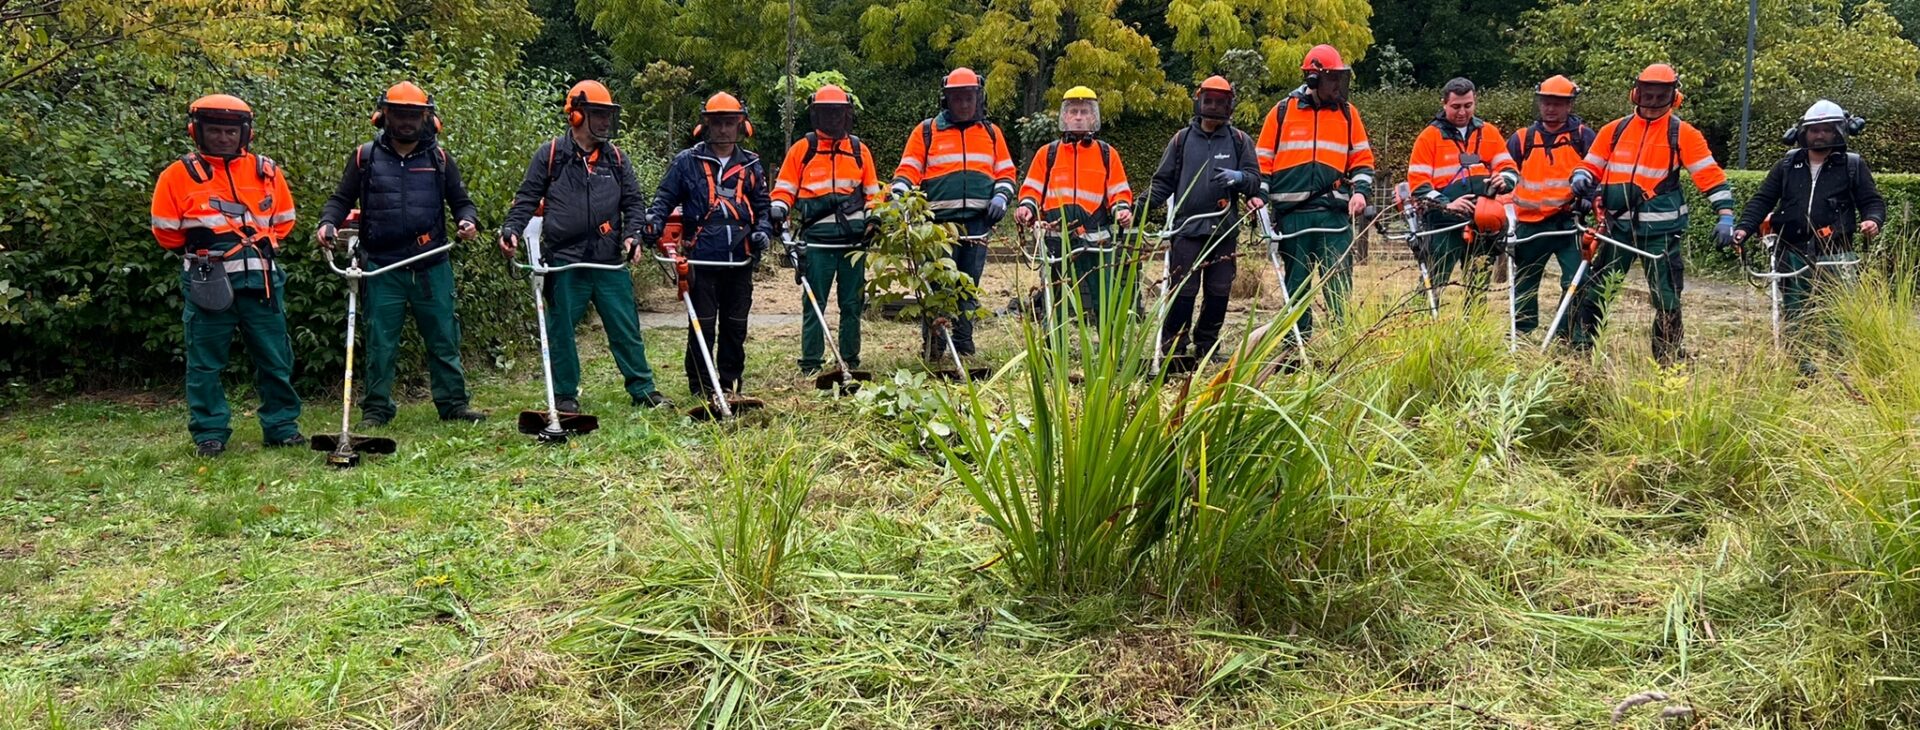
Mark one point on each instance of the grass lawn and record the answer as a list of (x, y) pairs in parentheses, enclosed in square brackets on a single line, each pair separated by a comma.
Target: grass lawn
[(1529, 542)]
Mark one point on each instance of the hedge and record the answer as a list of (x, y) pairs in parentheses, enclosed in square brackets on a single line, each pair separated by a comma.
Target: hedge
[(99, 302)]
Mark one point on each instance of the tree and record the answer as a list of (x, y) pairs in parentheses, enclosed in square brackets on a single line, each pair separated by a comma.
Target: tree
[(1447, 38), (1800, 56), (664, 88), (738, 45), (1281, 30), (1027, 48)]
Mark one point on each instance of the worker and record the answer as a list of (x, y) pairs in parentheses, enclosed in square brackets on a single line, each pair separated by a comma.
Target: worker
[(1458, 159), (725, 205), (1634, 167), (1819, 194), (960, 160), (1318, 165), (828, 187), (1076, 191), (593, 208), (404, 184), (1209, 166), (1546, 153), (227, 209)]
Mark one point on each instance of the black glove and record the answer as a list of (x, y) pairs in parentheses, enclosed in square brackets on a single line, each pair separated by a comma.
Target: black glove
[(872, 232), (778, 217), (650, 230)]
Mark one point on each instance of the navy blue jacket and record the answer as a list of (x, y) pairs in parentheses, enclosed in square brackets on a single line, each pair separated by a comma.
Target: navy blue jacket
[(403, 201), (720, 208)]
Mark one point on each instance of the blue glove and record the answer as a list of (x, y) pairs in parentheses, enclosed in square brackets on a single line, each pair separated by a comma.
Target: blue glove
[(1226, 178), (1723, 232), (1584, 187), (996, 209)]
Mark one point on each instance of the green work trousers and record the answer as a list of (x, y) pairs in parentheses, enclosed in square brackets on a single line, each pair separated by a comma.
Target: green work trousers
[(428, 293), (209, 340), (1328, 252), (611, 293), (1558, 240), (825, 267)]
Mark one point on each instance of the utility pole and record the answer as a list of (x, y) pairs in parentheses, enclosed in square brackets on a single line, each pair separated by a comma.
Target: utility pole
[(786, 104), (1746, 97)]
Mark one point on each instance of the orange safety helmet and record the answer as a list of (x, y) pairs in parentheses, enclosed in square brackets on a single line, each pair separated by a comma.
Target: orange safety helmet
[(1323, 57), (1559, 86), (724, 103), (220, 109), (404, 93), (1218, 86), (586, 94), (1658, 74), (961, 78), (830, 110)]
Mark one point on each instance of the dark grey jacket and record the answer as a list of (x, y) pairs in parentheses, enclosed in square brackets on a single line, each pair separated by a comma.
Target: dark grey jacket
[(592, 202), (1186, 173), (1842, 197)]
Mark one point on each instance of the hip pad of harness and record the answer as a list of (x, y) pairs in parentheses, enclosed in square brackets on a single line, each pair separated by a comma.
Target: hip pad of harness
[(207, 285)]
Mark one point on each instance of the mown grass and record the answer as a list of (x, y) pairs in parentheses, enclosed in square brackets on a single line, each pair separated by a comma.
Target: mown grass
[(1511, 541)]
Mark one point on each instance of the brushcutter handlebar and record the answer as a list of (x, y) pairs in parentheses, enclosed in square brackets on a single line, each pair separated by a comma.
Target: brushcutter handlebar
[(355, 271)]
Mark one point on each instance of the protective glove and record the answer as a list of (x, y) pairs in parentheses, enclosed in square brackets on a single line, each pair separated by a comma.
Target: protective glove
[(327, 236), (757, 243), (1500, 185), (1584, 186), (509, 242), (1723, 232), (1226, 178), (996, 209), (778, 217), (650, 230)]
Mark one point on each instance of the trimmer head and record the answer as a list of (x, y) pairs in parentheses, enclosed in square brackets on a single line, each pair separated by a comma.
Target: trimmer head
[(534, 423), (707, 411)]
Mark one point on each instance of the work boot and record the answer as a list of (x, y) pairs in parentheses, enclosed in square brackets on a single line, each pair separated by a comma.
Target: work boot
[(209, 449), (567, 405), (465, 413), (368, 423), (652, 400), (288, 442), (808, 371)]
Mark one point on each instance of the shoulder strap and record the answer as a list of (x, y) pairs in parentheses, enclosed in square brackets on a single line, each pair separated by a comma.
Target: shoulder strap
[(813, 147), (553, 148), (265, 168), (1046, 174), (1180, 146), (926, 138), (859, 161), (198, 168)]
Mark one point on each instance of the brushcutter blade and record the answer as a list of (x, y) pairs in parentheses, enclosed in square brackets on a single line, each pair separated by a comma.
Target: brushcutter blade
[(355, 443), (952, 374), (845, 380)]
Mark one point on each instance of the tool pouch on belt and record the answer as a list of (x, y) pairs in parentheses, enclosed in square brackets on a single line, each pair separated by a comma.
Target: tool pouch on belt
[(207, 285)]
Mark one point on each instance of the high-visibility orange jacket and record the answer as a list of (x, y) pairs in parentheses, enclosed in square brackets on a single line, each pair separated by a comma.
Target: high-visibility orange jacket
[(1547, 160), (829, 195), (1314, 156), (1449, 163), (1638, 168), (960, 167), (241, 208), (1080, 183)]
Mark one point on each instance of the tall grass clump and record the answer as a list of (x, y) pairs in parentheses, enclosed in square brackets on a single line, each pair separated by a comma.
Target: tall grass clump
[(1216, 488), (1695, 435)]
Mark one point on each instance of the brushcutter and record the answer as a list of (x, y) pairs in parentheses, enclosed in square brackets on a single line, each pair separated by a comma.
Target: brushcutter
[(1174, 364), (1773, 276), (551, 426), (842, 379), (719, 405), (344, 449), (960, 371), (1590, 240)]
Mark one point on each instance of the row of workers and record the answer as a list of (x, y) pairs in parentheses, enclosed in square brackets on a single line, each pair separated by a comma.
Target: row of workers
[(228, 210)]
